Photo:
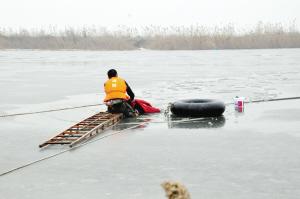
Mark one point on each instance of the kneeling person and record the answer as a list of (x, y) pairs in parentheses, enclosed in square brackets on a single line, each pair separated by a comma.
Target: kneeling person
[(116, 90)]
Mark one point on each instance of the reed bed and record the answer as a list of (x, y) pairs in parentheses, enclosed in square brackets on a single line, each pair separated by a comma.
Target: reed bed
[(153, 37)]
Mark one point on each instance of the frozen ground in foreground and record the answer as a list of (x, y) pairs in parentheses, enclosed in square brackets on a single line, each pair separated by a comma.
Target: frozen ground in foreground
[(252, 155)]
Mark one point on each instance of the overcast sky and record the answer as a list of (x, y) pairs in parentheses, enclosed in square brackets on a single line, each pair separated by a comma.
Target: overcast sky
[(111, 13)]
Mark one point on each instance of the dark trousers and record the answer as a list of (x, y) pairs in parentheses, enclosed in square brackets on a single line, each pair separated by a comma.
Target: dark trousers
[(122, 107)]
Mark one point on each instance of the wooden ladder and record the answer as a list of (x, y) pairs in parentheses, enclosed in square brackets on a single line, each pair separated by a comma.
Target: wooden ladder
[(85, 129)]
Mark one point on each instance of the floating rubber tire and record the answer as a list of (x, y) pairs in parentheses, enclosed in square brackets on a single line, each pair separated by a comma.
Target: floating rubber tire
[(198, 108)]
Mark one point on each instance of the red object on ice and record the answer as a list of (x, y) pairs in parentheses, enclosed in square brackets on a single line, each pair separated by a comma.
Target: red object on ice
[(240, 103), (146, 106)]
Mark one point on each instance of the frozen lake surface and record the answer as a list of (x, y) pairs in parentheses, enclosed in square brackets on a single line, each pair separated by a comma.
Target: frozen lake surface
[(254, 154)]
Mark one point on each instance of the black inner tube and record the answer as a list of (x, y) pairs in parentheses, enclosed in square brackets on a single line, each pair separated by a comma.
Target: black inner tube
[(198, 107)]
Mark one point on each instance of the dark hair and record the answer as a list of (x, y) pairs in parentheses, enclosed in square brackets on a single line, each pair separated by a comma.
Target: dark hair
[(112, 73)]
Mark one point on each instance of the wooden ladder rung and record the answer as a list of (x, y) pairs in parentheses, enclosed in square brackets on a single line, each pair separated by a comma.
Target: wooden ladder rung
[(61, 139), (70, 132), (63, 142), (69, 136)]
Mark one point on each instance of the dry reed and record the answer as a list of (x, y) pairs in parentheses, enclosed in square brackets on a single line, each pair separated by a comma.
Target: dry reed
[(153, 37)]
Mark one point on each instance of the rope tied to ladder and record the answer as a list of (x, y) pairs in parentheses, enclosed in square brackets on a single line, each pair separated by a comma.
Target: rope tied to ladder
[(111, 134), (166, 112), (136, 125), (74, 147)]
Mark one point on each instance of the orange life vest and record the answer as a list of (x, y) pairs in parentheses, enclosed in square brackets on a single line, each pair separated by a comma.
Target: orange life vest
[(115, 88)]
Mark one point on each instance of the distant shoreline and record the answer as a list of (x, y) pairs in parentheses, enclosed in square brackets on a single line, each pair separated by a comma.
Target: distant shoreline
[(107, 50), (264, 36)]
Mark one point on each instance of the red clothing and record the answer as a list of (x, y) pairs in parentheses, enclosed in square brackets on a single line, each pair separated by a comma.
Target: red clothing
[(146, 106)]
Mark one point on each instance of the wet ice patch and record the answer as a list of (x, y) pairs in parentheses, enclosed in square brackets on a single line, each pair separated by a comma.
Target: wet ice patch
[(286, 115)]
